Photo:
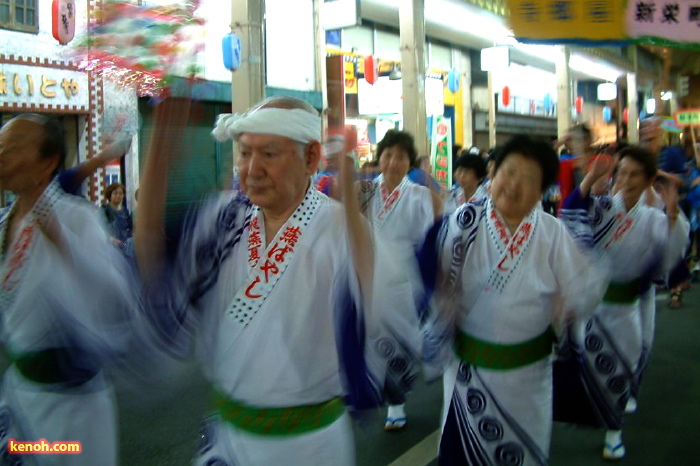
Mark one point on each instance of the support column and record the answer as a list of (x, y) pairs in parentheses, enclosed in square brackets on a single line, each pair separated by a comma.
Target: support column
[(632, 109), (463, 63), (632, 99), (412, 25), (320, 63), (492, 111), (248, 82), (563, 91)]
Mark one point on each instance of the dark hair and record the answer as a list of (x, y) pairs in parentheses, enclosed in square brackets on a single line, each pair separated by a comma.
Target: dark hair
[(583, 130), (111, 188), (472, 162), (402, 139), (538, 150), (643, 157), (53, 143)]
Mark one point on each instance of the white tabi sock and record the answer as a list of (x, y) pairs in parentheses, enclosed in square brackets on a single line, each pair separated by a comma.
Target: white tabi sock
[(396, 411), (613, 438)]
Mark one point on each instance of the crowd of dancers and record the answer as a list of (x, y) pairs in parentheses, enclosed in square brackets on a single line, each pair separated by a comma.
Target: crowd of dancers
[(306, 308)]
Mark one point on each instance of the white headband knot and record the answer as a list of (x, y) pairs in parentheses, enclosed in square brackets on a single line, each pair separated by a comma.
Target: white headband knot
[(296, 124)]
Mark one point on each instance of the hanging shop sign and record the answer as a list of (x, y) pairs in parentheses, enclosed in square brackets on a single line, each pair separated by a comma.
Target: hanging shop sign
[(688, 117), (24, 84), (441, 151), (350, 78), (661, 22), (63, 20)]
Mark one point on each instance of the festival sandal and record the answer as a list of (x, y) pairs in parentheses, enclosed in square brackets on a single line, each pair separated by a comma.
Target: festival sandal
[(614, 453), (676, 300), (394, 423)]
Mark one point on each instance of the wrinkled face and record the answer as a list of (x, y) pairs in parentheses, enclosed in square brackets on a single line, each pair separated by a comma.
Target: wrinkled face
[(631, 180), (466, 177), (272, 174), (117, 196), (516, 187), (21, 167), (394, 164)]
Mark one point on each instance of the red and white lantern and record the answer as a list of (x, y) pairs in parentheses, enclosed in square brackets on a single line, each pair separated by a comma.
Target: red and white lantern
[(63, 20), (371, 69), (578, 104), (505, 96)]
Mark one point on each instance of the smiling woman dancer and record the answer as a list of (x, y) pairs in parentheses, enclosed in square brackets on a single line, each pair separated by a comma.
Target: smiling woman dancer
[(510, 276)]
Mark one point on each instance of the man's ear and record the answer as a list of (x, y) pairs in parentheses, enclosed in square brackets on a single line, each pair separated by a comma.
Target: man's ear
[(312, 156)]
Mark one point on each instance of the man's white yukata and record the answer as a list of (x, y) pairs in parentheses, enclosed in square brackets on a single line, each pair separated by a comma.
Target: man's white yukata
[(499, 303), (282, 332), (611, 346), (61, 313)]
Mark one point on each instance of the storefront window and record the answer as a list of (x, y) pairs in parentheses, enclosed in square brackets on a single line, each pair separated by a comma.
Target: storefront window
[(19, 15)]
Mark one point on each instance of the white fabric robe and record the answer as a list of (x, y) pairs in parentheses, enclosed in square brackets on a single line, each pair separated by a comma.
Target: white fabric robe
[(288, 355), (493, 414), (83, 301), (616, 341)]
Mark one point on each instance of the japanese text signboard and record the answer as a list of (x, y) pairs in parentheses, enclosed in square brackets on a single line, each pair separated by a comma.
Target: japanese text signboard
[(688, 117), (664, 22), (441, 151), (24, 84)]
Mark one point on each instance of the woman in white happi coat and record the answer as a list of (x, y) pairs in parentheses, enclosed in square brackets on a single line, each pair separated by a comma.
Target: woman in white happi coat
[(506, 277), (267, 281), (64, 302), (469, 173), (399, 212), (641, 243)]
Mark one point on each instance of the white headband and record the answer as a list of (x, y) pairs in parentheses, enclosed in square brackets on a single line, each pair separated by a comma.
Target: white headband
[(296, 124)]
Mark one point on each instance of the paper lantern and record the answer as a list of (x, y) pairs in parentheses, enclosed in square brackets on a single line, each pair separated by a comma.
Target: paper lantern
[(578, 104), (607, 114), (63, 20), (607, 91), (453, 80), (505, 96), (231, 47), (626, 115), (371, 69)]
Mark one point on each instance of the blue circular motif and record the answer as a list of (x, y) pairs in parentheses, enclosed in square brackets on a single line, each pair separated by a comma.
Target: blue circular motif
[(605, 203), (490, 429), (597, 216), (216, 462), (510, 454), (464, 373), (207, 435), (605, 363), (466, 216), (386, 347), (476, 401), (617, 384), (594, 343)]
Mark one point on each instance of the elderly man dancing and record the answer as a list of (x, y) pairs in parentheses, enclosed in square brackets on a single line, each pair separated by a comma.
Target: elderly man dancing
[(277, 283)]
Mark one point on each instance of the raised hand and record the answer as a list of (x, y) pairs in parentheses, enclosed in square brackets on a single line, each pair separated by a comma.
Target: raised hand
[(600, 167)]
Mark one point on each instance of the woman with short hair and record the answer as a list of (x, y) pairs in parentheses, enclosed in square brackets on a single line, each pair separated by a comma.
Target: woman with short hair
[(117, 215), (507, 276)]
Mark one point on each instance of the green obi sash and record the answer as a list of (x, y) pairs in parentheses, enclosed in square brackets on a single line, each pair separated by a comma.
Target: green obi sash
[(293, 420), (482, 353), (622, 292), (66, 366)]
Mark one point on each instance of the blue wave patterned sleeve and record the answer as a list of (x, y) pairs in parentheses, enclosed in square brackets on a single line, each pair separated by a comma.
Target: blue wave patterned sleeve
[(209, 235)]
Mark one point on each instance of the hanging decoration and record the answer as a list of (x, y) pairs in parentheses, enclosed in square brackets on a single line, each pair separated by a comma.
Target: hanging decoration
[(453, 80), (143, 47), (607, 114), (625, 115), (578, 104), (371, 69), (63, 20), (231, 48), (505, 96)]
